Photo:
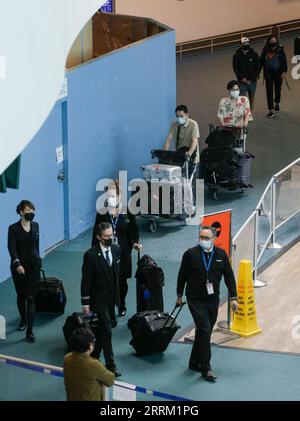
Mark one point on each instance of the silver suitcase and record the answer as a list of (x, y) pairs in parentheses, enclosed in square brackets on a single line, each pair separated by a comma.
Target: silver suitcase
[(161, 172)]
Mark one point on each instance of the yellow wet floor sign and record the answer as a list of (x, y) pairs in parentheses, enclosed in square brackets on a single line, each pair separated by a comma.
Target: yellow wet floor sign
[(244, 320)]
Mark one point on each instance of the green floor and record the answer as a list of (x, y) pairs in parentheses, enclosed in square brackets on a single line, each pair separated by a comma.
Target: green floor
[(243, 375)]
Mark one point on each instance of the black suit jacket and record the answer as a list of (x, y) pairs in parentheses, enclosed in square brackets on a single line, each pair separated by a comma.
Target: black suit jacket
[(23, 247), (100, 282), (193, 274)]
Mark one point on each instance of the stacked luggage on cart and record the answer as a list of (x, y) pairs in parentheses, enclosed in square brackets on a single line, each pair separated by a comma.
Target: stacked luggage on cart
[(170, 172), (225, 162)]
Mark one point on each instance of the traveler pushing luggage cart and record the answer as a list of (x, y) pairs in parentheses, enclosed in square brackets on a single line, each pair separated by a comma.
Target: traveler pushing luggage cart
[(170, 194)]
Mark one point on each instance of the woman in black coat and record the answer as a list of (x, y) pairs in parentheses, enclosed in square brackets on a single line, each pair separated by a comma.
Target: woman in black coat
[(274, 63), (23, 247), (126, 234)]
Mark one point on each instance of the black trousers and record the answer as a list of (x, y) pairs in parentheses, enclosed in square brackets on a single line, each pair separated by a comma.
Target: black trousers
[(26, 307), (104, 342), (205, 313), (273, 83)]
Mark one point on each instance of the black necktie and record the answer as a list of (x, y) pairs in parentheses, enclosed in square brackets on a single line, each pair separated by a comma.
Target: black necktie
[(107, 257)]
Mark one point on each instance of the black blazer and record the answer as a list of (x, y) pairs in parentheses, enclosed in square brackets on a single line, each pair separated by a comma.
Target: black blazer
[(127, 232), (23, 247), (193, 274), (100, 282)]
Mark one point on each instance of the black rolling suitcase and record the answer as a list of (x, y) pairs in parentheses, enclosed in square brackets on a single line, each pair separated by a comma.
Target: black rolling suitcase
[(149, 285), (77, 320), (51, 296), (152, 331)]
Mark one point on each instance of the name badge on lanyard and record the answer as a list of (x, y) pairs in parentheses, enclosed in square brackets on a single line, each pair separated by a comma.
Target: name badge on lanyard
[(114, 225), (209, 285)]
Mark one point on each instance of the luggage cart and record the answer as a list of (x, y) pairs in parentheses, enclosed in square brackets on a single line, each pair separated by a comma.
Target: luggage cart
[(167, 162)]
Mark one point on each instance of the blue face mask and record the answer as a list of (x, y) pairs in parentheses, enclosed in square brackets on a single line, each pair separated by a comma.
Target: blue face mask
[(181, 121), (206, 244)]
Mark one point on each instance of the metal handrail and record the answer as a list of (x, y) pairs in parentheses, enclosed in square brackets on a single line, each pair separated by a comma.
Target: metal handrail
[(271, 239), (211, 44)]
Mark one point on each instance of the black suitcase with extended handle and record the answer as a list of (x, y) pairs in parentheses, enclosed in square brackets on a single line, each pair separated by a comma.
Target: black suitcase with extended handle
[(152, 331), (51, 296)]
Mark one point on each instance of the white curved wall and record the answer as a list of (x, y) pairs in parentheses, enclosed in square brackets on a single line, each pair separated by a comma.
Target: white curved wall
[(35, 38)]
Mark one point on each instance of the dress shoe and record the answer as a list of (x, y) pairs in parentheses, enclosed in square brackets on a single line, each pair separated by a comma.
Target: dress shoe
[(122, 311), (115, 371), (30, 337), (209, 376), (21, 327), (195, 367)]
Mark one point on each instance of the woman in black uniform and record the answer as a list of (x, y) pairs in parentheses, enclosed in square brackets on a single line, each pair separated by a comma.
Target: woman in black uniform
[(23, 247), (126, 234)]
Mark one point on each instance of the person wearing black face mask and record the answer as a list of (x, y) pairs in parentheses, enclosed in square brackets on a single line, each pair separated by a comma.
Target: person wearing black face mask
[(100, 290), (274, 63), (23, 247), (246, 66)]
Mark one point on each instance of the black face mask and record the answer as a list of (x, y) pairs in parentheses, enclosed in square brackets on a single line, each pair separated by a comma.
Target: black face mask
[(273, 45), (106, 242), (246, 47), (29, 216)]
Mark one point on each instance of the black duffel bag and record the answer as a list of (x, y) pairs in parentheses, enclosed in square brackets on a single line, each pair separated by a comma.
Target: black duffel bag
[(149, 273)]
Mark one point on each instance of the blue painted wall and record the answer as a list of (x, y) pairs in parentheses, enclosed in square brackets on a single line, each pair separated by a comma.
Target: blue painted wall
[(119, 107)]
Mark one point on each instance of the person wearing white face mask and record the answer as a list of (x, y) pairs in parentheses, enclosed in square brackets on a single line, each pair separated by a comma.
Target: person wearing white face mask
[(201, 272), (125, 233), (234, 111)]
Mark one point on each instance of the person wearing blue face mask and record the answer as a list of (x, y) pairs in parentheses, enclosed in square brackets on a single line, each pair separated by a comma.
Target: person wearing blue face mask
[(26, 263), (201, 272)]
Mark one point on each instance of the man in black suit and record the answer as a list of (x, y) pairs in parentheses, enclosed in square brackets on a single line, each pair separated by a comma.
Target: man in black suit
[(201, 270), (100, 290)]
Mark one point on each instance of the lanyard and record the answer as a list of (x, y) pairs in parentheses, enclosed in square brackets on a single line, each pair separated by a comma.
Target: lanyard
[(207, 265), (114, 223)]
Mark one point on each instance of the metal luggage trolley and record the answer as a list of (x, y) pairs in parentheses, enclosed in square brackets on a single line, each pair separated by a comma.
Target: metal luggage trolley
[(212, 168), (172, 169)]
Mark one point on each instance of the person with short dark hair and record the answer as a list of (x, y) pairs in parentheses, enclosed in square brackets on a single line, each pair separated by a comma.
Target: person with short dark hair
[(100, 290), (246, 66), (274, 63), (125, 233), (201, 272), (26, 263), (84, 376), (234, 110)]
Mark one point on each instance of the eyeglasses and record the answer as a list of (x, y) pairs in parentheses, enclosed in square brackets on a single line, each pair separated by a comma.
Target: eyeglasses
[(204, 237)]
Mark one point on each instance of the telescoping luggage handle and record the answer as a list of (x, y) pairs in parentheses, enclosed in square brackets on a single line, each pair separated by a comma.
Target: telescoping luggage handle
[(175, 317), (45, 280)]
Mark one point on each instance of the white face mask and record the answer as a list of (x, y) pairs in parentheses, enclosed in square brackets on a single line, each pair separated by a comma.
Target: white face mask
[(112, 202), (206, 244), (181, 120), (234, 94)]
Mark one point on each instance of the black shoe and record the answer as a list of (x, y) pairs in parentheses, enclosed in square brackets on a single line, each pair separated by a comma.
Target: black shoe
[(277, 108), (30, 337), (270, 115), (209, 376), (195, 367), (21, 327), (122, 311), (114, 323), (115, 371)]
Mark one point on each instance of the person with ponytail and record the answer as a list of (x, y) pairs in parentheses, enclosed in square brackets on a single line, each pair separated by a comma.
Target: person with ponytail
[(26, 263)]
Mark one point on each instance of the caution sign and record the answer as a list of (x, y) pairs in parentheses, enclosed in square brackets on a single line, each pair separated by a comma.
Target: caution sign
[(221, 221), (244, 320)]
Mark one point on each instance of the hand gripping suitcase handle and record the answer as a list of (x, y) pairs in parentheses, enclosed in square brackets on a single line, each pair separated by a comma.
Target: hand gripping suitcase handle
[(177, 314)]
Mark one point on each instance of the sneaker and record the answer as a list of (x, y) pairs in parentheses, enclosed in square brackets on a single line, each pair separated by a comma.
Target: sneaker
[(251, 119), (209, 376), (277, 108), (270, 115)]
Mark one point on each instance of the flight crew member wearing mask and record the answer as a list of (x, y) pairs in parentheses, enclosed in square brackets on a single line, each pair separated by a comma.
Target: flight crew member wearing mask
[(201, 271)]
